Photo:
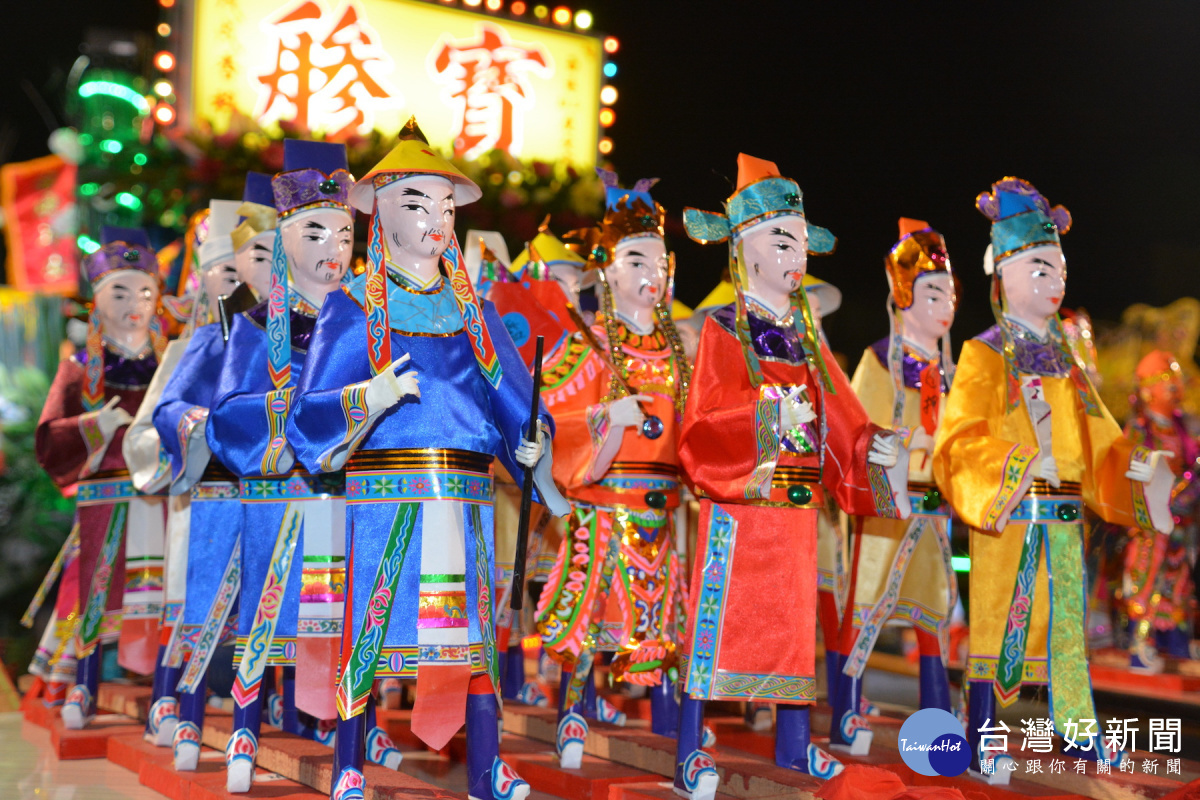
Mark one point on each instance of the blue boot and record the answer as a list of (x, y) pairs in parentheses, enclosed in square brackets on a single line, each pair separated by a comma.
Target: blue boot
[(664, 709), (512, 672), (991, 767), (349, 753), (185, 744), (578, 708), (935, 683), (833, 668), (242, 750), (163, 715), (291, 717), (488, 777), (80, 706), (696, 775), (381, 749), (793, 744), (848, 729)]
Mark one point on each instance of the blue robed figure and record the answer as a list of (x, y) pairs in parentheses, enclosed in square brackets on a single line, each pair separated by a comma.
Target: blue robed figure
[(417, 449), (293, 536), (181, 416)]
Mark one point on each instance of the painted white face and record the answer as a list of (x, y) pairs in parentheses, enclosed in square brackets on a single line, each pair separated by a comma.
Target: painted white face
[(253, 262), (318, 244), (1034, 282), (125, 303), (569, 276), (417, 214), (776, 253), (638, 274), (220, 279), (932, 311)]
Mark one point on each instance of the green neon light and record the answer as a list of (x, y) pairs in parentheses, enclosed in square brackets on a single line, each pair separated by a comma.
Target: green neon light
[(117, 90), (140, 159), (129, 201), (961, 563), (89, 189), (111, 146), (87, 244)]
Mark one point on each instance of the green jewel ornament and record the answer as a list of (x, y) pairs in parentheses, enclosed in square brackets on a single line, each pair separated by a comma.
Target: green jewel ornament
[(792, 199), (647, 221), (131, 255), (328, 186), (799, 494), (931, 500), (656, 500), (1067, 512), (599, 254), (1049, 227)]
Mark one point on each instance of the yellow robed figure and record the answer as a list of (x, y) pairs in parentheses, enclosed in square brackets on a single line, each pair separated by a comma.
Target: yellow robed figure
[(1024, 444), (901, 569)]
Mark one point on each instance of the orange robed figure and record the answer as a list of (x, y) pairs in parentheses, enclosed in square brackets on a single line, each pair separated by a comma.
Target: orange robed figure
[(771, 425), (616, 393)]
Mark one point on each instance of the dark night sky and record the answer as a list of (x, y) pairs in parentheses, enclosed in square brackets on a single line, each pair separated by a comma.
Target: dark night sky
[(879, 110)]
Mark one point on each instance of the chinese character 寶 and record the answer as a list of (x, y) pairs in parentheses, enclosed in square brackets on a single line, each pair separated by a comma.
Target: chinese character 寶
[(487, 85)]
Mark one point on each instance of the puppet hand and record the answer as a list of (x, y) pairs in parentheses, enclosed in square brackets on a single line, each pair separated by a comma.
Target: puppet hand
[(109, 418), (386, 389), (626, 413), (529, 453), (794, 410), (1143, 471), (1047, 470), (921, 440), (884, 450)]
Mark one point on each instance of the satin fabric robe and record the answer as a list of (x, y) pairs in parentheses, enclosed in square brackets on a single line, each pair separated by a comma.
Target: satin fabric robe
[(983, 454), (752, 604), (617, 579)]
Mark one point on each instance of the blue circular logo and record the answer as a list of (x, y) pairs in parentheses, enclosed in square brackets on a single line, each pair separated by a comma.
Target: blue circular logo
[(931, 743), (518, 327)]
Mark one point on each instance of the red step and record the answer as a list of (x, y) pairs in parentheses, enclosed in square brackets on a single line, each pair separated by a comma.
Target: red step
[(662, 790), (40, 714), (92, 741), (591, 781)]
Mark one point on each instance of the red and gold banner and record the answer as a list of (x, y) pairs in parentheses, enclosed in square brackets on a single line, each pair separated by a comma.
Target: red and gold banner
[(33, 195)]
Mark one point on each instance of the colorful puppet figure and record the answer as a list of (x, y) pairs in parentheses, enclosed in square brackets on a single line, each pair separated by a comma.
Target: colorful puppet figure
[(118, 586), (418, 463), (546, 258), (1024, 443), (616, 585), (536, 303), (770, 426), (293, 522), (181, 417), (149, 461), (902, 570), (1158, 588)]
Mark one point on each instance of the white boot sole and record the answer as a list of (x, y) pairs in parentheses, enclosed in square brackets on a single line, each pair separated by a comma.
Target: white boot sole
[(239, 777), (166, 733), (998, 778), (571, 756), (706, 790), (187, 757), (72, 718)]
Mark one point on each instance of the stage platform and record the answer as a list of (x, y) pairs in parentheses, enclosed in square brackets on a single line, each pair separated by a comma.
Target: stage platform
[(626, 763)]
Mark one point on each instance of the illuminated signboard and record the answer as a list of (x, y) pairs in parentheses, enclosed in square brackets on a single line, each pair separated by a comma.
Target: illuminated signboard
[(342, 67)]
